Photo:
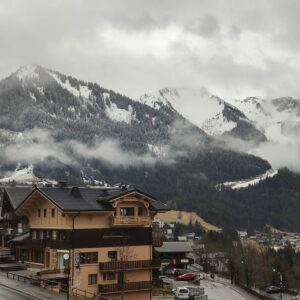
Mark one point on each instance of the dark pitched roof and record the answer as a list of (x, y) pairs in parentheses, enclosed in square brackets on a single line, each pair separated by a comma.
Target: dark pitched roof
[(80, 198), (16, 195), (174, 247), (85, 200)]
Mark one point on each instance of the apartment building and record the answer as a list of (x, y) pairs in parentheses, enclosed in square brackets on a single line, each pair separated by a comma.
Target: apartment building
[(101, 236)]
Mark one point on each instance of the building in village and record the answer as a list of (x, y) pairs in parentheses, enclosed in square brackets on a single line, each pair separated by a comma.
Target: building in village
[(98, 240), (174, 254)]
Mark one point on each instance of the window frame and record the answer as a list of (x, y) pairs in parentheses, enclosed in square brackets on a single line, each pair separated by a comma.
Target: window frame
[(87, 258), (45, 212), (94, 280), (115, 258), (109, 276), (124, 211)]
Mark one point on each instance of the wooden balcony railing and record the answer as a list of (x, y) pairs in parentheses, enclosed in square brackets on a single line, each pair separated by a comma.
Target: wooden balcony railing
[(129, 265), (131, 220), (128, 286)]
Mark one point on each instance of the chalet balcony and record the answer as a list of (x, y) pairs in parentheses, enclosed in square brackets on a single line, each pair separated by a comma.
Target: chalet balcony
[(129, 265), (131, 220), (128, 286)]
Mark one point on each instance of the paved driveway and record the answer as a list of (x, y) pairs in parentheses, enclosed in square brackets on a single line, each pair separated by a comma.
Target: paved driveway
[(8, 294)]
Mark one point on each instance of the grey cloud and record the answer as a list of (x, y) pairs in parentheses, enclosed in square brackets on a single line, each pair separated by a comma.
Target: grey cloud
[(38, 144), (130, 46), (207, 26)]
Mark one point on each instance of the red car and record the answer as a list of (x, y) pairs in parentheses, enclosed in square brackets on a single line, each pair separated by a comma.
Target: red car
[(186, 276)]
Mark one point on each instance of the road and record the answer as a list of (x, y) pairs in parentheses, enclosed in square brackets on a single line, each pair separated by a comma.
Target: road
[(9, 294), (217, 291)]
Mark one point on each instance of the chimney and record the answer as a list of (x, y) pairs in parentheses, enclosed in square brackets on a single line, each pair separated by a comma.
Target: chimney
[(75, 192)]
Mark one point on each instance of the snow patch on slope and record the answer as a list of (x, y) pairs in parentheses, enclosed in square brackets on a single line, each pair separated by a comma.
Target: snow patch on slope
[(235, 185), (24, 175), (119, 114), (66, 85), (83, 91), (27, 72)]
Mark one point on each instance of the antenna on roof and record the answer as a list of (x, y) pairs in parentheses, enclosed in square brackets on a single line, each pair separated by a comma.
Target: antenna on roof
[(124, 187)]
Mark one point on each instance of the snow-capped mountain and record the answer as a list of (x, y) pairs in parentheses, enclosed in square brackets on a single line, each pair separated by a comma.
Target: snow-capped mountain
[(278, 119), (67, 127), (210, 113)]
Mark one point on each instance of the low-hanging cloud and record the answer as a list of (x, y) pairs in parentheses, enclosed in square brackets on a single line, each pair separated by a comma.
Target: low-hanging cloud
[(278, 154), (285, 154), (36, 145), (110, 151)]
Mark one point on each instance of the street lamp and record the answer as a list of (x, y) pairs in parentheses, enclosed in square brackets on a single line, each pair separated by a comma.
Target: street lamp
[(280, 282), (67, 259)]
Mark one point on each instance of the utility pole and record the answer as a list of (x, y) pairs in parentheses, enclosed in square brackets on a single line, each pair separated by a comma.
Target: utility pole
[(281, 284)]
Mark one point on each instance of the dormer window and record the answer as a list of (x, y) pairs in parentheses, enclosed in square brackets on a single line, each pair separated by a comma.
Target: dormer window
[(126, 211)]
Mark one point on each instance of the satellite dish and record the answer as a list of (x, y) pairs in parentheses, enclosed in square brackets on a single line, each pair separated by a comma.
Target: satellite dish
[(66, 256)]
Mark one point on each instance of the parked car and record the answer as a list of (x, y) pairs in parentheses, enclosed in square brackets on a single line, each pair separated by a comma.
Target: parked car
[(165, 279), (273, 289), (181, 293), (168, 271), (186, 276), (177, 271), (193, 290)]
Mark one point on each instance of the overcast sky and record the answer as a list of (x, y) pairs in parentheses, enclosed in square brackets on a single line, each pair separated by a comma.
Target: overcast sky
[(233, 48)]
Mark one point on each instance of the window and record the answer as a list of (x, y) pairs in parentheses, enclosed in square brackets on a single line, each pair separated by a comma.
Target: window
[(33, 235), (92, 279), (89, 257), (61, 235), (127, 211), (109, 276), (53, 212), (54, 235), (112, 255), (45, 212), (47, 234), (141, 211), (41, 235), (39, 212)]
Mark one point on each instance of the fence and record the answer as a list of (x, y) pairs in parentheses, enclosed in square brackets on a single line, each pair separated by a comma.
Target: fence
[(254, 293), (51, 285)]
